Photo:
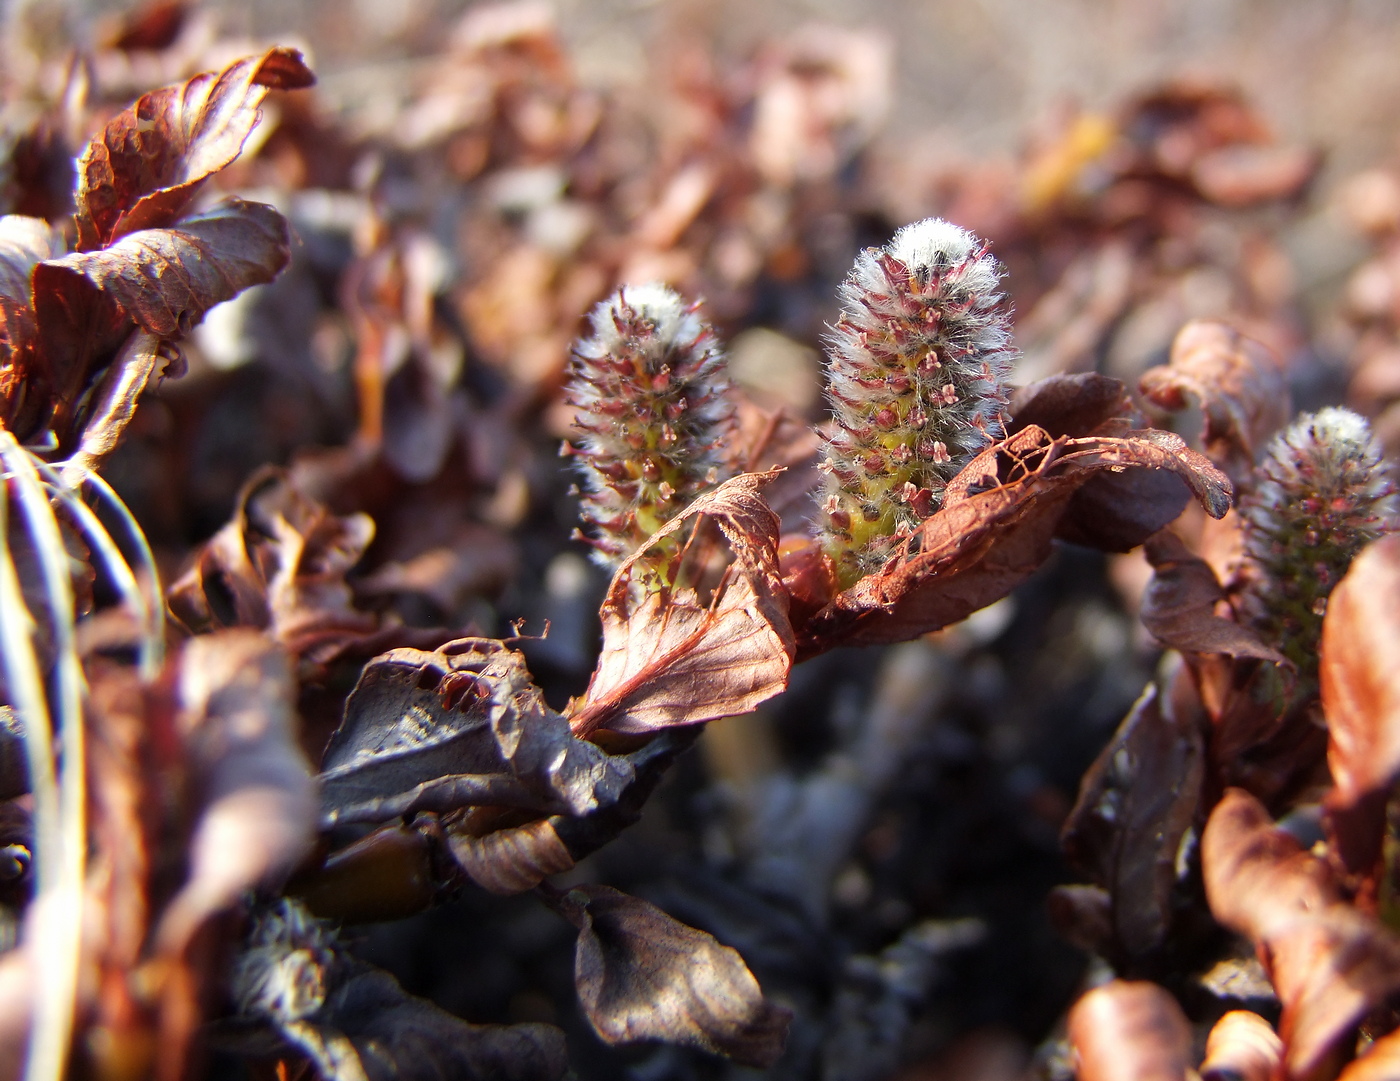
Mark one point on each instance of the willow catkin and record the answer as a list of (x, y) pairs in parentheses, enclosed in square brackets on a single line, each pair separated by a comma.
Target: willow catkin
[(651, 393), (919, 362), (1320, 495)]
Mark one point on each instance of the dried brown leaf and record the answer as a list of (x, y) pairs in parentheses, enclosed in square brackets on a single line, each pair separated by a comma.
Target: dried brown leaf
[(1329, 963), (512, 860), (1075, 405), (1129, 1031), (24, 241), (996, 527), (166, 279), (1360, 674), (1136, 803), (669, 659), (258, 813), (642, 975), (280, 564), (1381, 1062), (1258, 878), (516, 858), (462, 726), (1179, 606), (145, 167), (1242, 1046), (1239, 383)]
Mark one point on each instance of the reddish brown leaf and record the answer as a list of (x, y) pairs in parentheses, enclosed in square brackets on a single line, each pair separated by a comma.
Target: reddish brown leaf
[(1075, 405), (996, 527), (1242, 1046), (1135, 804), (669, 659), (1381, 1062), (1329, 963), (642, 975), (1330, 969), (166, 279), (1129, 1031), (144, 168), (1257, 877), (1240, 386), (79, 330), (1179, 606), (1360, 674)]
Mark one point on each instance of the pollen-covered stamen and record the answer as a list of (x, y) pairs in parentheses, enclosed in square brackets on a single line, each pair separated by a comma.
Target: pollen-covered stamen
[(651, 394), (920, 356)]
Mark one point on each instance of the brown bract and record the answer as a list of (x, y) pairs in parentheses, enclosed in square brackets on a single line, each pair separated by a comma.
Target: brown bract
[(1239, 383), (144, 168), (1129, 1031), (642, 975), (996, 527), (668, 657), (1329, 963), (1361, 698)]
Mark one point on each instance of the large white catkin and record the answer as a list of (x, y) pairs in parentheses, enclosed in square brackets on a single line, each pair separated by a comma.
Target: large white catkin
[(920, 359), (650, 390)]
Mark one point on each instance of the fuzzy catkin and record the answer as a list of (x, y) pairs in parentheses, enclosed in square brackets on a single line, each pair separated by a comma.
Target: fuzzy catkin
[(1321, 494), (920, 359), (650, 388)]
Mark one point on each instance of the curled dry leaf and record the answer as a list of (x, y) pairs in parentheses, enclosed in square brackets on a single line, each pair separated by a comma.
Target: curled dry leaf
[(1179, 606), (280, 564), (670, 659), (259, 806), (1361, 698), (1329, 963), (642, 975), (996, 527), (1240, 386), (462, 726), (144, 168), (1136, 804), (518, 858), (1129, 1031), (1242, 1046), (166, 279)]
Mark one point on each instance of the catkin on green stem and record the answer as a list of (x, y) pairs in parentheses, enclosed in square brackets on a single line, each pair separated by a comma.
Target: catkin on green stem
[(651, 393), (919, 362)]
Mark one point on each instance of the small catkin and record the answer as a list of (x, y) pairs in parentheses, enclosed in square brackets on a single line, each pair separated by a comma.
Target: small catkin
[(1320, 495), (652, 397), (920, 359)]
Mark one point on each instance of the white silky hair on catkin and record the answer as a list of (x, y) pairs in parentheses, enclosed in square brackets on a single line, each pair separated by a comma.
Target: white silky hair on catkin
[(934, 244)]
